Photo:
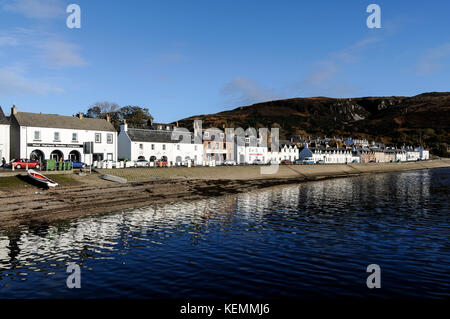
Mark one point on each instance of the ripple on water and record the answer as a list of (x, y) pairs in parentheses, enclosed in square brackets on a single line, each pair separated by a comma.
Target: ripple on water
[(313, 239)]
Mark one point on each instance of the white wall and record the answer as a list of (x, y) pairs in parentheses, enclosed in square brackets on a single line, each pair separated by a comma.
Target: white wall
[(290, 153), (4, 142)]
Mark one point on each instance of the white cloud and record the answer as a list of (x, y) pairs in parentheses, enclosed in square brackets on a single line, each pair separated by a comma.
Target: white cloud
[(8, 41), (13, 81), (434, 60), (62, 54), (323, 78), (244, 91), (37, 9)]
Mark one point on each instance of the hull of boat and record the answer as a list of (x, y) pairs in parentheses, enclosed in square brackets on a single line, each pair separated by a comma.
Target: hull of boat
[(41, 178)]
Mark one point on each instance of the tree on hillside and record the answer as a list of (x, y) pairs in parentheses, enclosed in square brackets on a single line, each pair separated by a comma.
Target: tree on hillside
[(135, 116)]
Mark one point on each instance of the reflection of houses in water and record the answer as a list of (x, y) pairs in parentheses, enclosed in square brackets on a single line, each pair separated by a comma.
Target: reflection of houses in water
[(254, 205), (100, 234)]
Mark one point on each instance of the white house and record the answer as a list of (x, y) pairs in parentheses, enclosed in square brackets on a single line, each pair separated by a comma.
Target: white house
[(50, 136), (423, 153), (412, 155), (172, 144), (400, 155), (330, 155), (250, 149), (288, 152), (4, 137)]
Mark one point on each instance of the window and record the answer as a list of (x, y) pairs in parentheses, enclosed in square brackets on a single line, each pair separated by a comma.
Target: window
[(164, 147), (206, 134), (195, 147), (56, 137), (109, 156), (37, 135), (109, 138), (141, 146), (178, 147), (153, 147), (221, 135), (217, 145), (74, 137), (98, 137)]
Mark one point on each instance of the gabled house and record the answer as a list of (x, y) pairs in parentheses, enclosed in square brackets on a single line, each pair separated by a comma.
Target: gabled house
[(40, 137), (161, 142)]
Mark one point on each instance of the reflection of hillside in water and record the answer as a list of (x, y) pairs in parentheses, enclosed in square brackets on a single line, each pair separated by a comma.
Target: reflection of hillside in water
[(100, 236)]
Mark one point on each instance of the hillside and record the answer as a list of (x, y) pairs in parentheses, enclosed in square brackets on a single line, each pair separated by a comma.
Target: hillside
[(422, 119)]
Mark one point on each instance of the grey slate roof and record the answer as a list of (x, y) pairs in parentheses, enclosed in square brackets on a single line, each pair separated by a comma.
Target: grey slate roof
[(3, 119), (66, 122), (157, 136)]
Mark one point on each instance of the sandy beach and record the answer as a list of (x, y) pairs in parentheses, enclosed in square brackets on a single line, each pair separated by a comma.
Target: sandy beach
[(23, 203)]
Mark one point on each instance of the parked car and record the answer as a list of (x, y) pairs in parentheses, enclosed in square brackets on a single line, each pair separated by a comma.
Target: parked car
[(308, 160), (286, 162), (141, 163), (24, 163), (77, 164), (299, 161), (229, 163), (161, 163), (257, 162), (320, 162)]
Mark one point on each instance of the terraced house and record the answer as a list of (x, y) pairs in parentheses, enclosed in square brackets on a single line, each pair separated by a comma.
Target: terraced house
[(4, 136), (50, 136), (159, 142)]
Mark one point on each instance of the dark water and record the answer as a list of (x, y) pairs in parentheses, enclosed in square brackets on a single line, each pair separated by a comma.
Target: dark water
[(310, 240)]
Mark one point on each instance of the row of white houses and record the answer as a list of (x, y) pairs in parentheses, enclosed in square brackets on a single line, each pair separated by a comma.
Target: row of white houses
[(331, 155), (47, 136)]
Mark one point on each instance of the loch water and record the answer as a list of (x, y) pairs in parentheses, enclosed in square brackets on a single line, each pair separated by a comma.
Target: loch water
[(314, 239)]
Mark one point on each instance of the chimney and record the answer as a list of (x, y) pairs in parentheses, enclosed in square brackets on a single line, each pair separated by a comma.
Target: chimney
[(80, 115), (124, 126), (13, 110), (108, 118), (177, 123)]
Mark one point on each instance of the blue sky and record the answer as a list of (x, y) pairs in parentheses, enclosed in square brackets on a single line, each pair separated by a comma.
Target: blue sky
[(182, 58)]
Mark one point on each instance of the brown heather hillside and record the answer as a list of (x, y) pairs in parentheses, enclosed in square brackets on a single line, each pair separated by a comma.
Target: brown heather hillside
[(422, 119)]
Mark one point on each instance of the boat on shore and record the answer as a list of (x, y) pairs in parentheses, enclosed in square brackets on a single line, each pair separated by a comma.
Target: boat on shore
[(41, 178)]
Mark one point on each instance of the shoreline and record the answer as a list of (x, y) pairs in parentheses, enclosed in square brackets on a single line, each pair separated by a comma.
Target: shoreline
[(86, 195)]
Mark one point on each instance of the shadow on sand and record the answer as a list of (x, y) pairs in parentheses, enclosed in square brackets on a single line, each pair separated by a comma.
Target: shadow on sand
[(29, 180)]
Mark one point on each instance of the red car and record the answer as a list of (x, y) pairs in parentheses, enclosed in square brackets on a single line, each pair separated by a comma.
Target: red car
[(286, 162), (24, 163), (161, 163)]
